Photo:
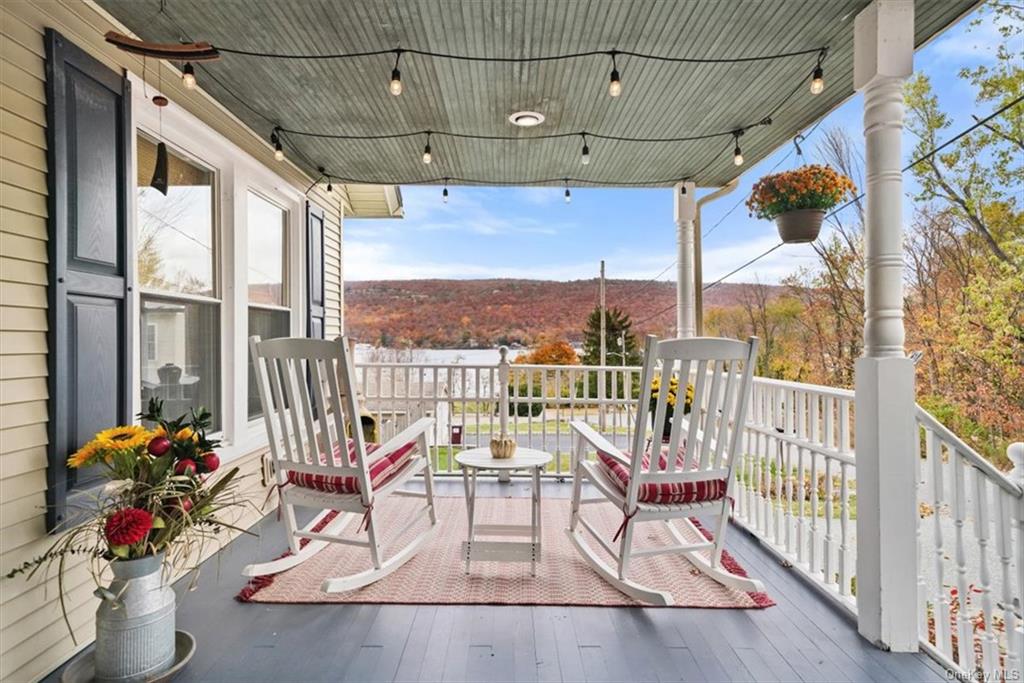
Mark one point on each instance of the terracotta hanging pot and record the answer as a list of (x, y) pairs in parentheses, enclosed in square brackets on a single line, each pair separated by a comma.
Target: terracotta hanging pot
[(799, 225)]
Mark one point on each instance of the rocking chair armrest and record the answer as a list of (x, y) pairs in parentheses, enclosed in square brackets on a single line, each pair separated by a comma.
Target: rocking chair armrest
[(403, 437), (591, 436)]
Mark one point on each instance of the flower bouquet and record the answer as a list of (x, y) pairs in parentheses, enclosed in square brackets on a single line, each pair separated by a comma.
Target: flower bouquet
[(153, 519), (671, 400), (797, 200)]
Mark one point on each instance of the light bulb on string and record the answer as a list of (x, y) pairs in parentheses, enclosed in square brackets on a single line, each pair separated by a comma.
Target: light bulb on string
[(568, 195), (444, 192), (818, 77), (614, 83), (395, 87), (188, 76), (275, 139), (585, 154), (427, 157), (737, 154)]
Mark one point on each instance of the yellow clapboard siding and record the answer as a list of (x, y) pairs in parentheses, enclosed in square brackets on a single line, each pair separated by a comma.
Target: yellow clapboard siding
[(18, 223), (21, 343), (22, 655), (19, 415), (28, 130), (30, 504), (19, 462), (21, 438), (23, 153), (18, 294), (25, 248), (17, 270), (15, 537), (16, 72), (22, 390), (23, 319), (21, 366), (12, 26), (16, 100), (23, 200), (25, 57), (28, 109), (17, 485), (78, 579)]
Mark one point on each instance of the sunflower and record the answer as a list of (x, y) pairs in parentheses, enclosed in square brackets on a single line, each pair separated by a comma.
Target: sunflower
[(185, 433), (124, 438), (84, 455)]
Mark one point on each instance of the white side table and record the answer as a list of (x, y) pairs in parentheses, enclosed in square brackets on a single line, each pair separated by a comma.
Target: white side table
[(477, 459)]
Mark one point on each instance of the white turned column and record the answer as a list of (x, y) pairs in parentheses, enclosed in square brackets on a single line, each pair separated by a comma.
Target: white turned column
[(887, 515), (504, 372), (686, 214)]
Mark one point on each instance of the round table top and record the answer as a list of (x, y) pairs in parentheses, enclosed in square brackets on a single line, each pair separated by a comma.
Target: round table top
[(481, 459)]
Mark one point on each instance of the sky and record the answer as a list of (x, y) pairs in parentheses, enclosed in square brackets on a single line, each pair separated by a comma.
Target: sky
[(533, 233)]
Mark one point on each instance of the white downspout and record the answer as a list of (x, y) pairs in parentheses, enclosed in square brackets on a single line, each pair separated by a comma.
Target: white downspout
[(698, 251), (686, 214)]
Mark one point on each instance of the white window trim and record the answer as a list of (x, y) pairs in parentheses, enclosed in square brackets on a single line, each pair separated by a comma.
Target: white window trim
[(235, 174)]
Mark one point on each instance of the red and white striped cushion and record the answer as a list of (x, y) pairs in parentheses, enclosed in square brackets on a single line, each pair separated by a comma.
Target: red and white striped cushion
[(381, 470), (664, 493)]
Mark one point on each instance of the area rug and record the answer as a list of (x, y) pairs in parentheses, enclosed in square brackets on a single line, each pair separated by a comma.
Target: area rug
[(436, 575)]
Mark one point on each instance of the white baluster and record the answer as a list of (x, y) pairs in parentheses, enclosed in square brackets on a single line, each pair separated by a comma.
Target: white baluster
[(801, 521), (965, 632), (815, 548), (989, 645), (829, 549), (943, 636), (844, 529)]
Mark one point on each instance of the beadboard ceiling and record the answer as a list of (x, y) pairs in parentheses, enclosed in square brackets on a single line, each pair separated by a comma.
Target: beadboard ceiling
[(658, 100)]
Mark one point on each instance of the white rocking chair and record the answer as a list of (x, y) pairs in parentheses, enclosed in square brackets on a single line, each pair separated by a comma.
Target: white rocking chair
[(694, 475), (316, 466)]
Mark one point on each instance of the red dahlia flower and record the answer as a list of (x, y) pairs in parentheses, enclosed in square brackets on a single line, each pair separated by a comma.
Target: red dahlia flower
[(128, 526)]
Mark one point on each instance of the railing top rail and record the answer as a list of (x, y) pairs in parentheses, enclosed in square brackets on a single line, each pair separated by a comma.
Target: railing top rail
[(801, 386), (428, 366), (972, 456), (607, 368)]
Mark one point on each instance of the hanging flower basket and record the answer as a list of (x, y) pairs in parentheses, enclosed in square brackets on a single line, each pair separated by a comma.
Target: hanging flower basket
[(797, 200)]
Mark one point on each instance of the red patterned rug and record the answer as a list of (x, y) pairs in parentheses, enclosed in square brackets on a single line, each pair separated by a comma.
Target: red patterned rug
[(436, 574)]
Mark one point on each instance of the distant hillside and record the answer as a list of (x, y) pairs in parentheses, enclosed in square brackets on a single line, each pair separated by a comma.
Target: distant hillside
[(483, 313)]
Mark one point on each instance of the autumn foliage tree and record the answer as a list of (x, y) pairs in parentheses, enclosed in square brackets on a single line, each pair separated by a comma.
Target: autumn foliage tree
[(549, 352)]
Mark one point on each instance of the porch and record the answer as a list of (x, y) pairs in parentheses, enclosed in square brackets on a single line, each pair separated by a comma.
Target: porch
[(802, 638)]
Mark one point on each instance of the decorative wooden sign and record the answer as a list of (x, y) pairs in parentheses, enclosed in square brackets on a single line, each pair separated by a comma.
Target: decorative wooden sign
[(176, 52)]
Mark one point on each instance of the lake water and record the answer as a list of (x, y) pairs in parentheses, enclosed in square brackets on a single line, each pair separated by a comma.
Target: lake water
[(368, 354)]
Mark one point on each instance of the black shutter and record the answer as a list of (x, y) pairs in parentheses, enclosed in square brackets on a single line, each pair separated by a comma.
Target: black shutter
[(91, 268), (315, 270)]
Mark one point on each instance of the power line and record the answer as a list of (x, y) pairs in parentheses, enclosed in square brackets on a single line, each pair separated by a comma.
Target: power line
[(733, 272), (929, 155)]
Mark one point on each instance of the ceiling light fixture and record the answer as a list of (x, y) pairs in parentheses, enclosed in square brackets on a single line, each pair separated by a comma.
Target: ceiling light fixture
[(737, 155), (275, 139), (526, 119), (427, 158), (585, 154)]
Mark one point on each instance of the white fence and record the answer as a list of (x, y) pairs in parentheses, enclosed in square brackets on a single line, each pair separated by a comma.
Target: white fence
[(795, 489)]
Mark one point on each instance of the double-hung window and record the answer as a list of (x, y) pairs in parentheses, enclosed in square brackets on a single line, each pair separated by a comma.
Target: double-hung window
[(267, 275), (180, 305)]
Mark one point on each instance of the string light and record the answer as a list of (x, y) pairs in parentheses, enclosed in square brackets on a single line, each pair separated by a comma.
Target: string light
[(444, 192), (188, 76), (275, 139), (330, 188), (585, 154), (568, 195), (737, 155), (818, 77), (395, 87), (614, 84), (427, 158)]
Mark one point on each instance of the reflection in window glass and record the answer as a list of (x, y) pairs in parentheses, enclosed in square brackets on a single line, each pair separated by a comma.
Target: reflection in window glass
[(181, 365), (266, 250), (176, 249)]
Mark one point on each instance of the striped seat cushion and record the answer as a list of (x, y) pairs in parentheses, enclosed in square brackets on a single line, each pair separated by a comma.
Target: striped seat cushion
[(381, 470), (664, 493)]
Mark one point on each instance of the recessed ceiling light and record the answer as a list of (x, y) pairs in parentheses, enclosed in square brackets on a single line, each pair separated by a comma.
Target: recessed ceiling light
[(526, 119)]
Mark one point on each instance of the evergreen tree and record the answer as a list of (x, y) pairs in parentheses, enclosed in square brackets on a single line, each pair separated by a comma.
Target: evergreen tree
[(617, 323)]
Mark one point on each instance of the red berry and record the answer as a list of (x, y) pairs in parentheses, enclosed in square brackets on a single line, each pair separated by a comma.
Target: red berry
[(211, 461), (158, 445), (186, 466), (185, 504)]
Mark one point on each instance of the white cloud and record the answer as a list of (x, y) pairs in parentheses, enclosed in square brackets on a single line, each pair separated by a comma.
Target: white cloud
[(964, 42)]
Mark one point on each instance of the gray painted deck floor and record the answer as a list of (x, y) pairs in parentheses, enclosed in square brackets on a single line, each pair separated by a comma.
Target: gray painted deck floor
[(800, 639)]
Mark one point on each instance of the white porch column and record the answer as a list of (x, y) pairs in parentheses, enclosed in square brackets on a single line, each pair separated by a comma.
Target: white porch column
[(686, 213), (887, 513)]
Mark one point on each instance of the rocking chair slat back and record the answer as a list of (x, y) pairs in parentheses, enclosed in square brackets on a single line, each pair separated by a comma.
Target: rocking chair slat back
[(307, 383), (709, 434)]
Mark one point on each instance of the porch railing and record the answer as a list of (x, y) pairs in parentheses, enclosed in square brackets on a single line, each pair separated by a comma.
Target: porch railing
[(796, 486)]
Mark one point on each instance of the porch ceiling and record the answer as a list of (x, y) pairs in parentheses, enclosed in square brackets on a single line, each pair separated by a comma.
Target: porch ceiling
[(659, 99)]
